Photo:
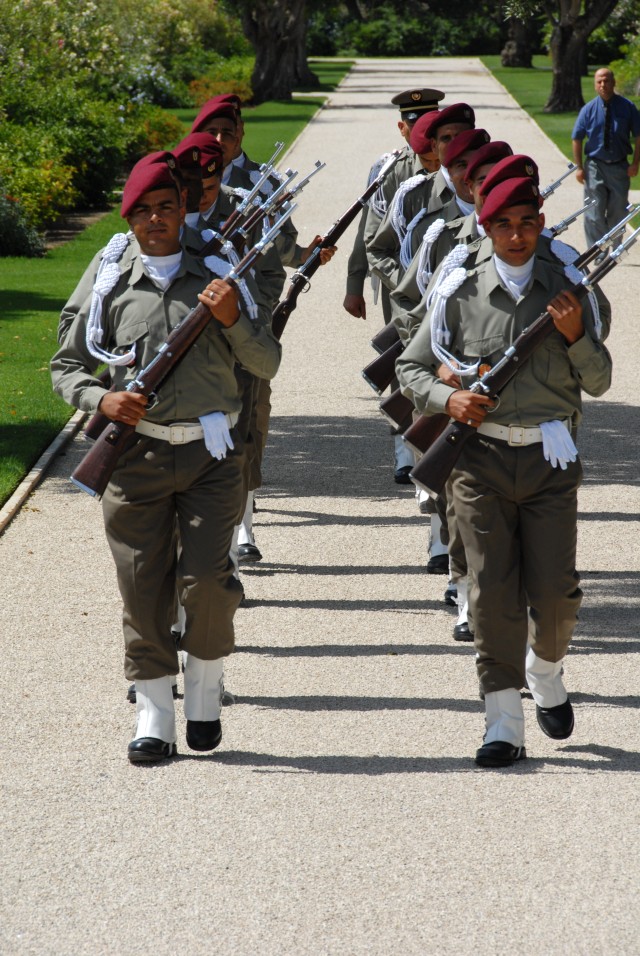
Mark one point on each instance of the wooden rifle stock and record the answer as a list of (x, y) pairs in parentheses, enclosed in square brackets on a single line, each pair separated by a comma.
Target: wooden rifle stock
[(385, 338), (435, 466), (300, 278), (94, 471), (397, 409), (379, 373)]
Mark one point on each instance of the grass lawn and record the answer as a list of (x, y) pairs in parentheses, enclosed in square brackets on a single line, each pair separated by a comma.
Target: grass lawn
[(33, 291), (531, 88)]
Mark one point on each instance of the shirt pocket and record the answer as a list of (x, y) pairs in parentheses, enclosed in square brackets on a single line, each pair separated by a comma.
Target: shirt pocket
[(550, 363), (490, 347)]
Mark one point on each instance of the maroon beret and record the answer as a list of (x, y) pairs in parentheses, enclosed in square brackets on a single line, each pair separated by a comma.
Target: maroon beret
[(420, 138), (217, 108), (513, 167), (426, 127), (510, 192), (491, 153), (199, 151), (152, 172), (464, 142), (458, 113)]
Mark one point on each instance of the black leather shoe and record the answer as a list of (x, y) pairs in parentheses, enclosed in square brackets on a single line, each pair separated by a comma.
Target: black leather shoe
[(150, 750), (451, 596), (401, 475), (438, 564), (461, 632), (204, 734), (499, 754), (248, 554), (131, 693), (556, 722)]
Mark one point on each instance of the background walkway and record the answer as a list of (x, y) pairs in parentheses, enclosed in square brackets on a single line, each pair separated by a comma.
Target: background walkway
[(343, 813)]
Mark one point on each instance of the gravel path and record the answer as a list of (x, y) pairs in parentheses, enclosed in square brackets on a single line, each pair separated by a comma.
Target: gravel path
[(343, 813)]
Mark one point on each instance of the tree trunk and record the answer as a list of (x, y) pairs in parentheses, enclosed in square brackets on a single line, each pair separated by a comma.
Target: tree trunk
[(277, 31), (517, 49), (571, 31), (567, 51)]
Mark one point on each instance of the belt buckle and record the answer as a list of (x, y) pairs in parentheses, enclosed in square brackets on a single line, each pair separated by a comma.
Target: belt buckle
[(516, 435), (177, 435)]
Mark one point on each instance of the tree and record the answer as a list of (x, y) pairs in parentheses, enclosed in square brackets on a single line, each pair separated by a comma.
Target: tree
[(572, 23), (277, 31)]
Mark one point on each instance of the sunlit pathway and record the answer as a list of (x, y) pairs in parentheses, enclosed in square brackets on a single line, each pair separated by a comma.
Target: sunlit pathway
[(343, 813)]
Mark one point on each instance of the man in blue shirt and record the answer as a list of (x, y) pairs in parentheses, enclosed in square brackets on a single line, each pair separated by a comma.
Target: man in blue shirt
[(608, 122)]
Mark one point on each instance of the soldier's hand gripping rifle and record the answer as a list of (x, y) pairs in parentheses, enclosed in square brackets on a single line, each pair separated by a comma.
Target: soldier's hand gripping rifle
[(94, 471), (435, 466), (397, 408), (300, 280), (388, 335)]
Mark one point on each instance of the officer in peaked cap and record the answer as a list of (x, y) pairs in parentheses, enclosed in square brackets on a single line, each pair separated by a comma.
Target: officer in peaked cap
[(413, 103)]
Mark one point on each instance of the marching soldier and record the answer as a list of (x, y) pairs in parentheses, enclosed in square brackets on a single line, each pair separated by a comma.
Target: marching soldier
[(413, 105), (515, 485), (184, 469)]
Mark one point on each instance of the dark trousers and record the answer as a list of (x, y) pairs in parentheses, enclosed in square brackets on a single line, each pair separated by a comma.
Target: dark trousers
[(517, 517), (161, 494)]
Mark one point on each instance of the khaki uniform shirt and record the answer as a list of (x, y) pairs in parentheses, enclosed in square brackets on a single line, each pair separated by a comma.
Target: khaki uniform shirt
[(269, 273), (137, 311), (383, 249), (484, 320)]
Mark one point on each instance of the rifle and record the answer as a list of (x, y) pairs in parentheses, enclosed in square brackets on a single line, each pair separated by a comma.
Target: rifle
[(242, 211), (277, 201), (380, 372), (385, 338), (94, 471), (396, 408), (551, 188), (300, 279), (433, 469), (564, 224)]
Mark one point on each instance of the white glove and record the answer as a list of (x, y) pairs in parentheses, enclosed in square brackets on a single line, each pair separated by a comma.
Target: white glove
[(557, 444), (217, 436)]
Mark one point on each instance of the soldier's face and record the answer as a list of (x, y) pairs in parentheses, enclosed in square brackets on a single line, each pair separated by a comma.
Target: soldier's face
[(228, 135), (210, 192), (444, 135), (514, 233), (456, 171), (474, 184), (155, 221)]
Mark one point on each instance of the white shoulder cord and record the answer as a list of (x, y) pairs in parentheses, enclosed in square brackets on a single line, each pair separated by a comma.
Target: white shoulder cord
[(453, 260), (220, 267), (439, 331), (567, 257), (240, 192), (398, 220), (430, 237), (406, 254), (377, 202), (106, 279)]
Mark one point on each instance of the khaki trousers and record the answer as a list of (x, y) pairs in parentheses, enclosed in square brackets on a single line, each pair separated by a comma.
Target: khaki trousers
[(260, 415), (161, 494), (517, 517)]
